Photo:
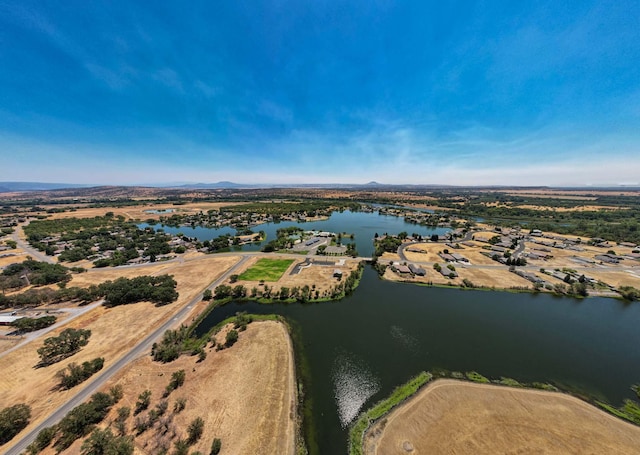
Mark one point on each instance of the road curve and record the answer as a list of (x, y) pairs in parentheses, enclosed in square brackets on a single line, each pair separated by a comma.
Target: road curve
[(105, 375)]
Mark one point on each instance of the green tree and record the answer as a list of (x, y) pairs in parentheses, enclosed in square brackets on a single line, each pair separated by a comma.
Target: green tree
[(75, 374), (216, 446), (33, 324), (179, 405), (144, 400), (42, 441), (177, 380), (81, 419), (64, 345), (104, 442), (13, 420), (194, 430), (231, 338), (181, 447)]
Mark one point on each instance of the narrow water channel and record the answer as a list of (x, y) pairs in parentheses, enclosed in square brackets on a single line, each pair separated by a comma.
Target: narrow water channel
[(360, 348)]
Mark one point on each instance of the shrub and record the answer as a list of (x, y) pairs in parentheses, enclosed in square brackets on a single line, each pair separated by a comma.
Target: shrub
[(179, 405), (181, 447), (476, 377), (195, 429), (75, 374), (231, 338), (105, 442), (177, 379), (216, 446), (144, 399)]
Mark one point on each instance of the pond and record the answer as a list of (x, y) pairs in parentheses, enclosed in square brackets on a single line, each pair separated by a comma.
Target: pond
[(360, 348), (160, 211), (363, 224)]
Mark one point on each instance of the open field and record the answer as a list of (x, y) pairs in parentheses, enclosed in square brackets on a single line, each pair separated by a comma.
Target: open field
[(429, 253), (114, 331), (245, 394), (559, 193), (141, 212), (499, 278), (13, 256), (579, 208), (451, 416), (316, 276), (266, 270), (617, 278)]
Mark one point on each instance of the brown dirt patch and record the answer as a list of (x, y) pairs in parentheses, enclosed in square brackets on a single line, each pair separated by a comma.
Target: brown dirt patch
[(457, 417)]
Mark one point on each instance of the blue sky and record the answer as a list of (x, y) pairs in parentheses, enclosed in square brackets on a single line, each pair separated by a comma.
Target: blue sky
[(424, 92)]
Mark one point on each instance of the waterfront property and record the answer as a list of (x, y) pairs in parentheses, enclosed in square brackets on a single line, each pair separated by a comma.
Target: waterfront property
[(523, 336)]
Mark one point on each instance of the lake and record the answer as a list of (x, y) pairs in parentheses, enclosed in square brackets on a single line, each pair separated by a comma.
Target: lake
[(363, 224), (360, 348)]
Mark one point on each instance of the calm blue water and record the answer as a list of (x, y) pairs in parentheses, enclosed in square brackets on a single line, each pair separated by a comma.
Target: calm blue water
[(363, 225), (360, 348)]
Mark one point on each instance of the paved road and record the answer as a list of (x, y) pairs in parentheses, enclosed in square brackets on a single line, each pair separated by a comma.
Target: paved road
[(141, 348), (519, 249), (28, 249), (75, 312)]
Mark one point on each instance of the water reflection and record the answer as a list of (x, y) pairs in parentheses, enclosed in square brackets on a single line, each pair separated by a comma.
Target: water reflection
[(353, 384)]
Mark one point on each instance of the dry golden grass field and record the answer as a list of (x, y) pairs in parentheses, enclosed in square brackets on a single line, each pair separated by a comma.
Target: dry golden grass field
[(17, 255), (579, 208), (245, 394), (456, 417), (114, 332), (490, 278), (140, 211)]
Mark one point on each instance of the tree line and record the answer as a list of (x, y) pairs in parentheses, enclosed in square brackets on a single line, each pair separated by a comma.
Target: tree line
[(159, 290), (30, 272)]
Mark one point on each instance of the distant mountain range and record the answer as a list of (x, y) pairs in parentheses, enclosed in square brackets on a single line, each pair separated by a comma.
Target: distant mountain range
[(7, 187)]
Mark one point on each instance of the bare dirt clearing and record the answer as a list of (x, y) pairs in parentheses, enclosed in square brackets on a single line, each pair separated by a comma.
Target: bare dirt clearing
[(457, 417)]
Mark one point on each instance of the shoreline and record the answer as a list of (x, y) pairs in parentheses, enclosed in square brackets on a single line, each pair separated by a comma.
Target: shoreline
[(513, 290)]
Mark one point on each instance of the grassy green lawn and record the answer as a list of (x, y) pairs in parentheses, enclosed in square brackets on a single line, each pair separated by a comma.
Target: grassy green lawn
[(266, 269)]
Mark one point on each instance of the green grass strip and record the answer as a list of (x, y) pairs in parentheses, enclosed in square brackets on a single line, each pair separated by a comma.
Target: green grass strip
[(266, 269), (399, 395)]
